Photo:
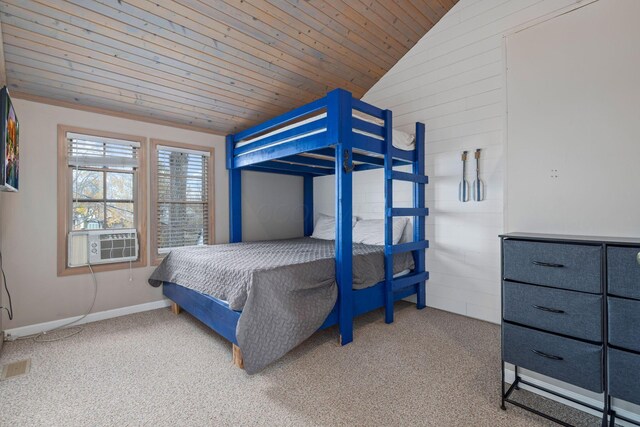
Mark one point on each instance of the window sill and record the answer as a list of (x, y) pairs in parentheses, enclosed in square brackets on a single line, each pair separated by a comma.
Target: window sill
[(99, 268)]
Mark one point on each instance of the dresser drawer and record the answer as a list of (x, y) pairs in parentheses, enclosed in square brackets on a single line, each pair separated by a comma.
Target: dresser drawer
[(565, 359), (624, 375), (624, 323), (561, 265), (623, 270), (566, 312)]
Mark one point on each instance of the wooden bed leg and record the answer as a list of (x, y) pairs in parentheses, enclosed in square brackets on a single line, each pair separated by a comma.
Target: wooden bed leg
[(175, 308), (237, 356)]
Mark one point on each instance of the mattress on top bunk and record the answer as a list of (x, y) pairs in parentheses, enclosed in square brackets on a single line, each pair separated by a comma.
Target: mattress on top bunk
[(228, 271), (401, 140), (285, 288)]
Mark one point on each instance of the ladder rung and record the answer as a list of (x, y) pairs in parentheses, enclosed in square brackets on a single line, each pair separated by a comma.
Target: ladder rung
[(406, 281), (407, 211), (406, 247), (397, 153), (404, 176)]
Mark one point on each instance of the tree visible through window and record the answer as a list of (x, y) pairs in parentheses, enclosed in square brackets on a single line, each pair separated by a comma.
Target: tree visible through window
[(182, 196), (101, 186), (103, 180), (102, 199)]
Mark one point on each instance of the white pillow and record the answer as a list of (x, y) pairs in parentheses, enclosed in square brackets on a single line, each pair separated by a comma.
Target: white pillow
[(403, 140), (371, 231), (325, 228)]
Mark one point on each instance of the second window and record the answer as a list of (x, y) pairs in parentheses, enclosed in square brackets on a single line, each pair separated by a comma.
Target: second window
[(182, 196)]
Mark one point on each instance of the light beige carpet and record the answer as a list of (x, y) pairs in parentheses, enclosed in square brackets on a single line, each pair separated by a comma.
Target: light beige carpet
[(155, 368)]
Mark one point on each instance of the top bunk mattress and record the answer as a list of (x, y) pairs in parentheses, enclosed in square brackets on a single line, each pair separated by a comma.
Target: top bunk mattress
[(229, 271), (401, 140)]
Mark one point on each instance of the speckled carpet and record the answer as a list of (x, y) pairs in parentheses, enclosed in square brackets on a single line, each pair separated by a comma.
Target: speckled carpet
[(155, 368)]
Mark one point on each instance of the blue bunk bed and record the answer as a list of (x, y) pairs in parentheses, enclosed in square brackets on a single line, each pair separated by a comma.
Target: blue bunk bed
[(329, 136)]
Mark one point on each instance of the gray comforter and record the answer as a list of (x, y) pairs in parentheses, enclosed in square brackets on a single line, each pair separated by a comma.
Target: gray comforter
[(285, 288)]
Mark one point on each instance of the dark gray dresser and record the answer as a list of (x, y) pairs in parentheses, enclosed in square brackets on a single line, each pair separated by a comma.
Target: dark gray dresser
[(571, 311), (623, 311)]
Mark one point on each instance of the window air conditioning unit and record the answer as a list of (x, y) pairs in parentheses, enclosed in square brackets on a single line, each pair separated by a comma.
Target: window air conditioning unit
[(102, 246)]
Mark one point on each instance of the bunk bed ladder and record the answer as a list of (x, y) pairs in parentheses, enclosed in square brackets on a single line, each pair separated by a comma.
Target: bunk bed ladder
[(414, 282)]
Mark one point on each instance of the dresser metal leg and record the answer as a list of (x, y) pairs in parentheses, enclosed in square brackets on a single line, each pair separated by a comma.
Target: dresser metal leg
[(606, 411), (506, 398), (504, 408)]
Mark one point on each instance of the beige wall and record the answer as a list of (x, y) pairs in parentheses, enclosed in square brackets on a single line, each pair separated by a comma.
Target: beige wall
[(28, 218)]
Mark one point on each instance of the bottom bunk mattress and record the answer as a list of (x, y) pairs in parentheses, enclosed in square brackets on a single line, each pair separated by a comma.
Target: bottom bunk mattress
[(285, 288)]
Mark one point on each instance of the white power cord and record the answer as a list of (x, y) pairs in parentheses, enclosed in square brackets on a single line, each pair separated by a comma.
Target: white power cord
[(6, 288), (74, 330)]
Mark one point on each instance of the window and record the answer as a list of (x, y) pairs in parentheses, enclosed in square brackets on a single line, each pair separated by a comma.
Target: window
[(182, 196), (103, 182), (100, 187)]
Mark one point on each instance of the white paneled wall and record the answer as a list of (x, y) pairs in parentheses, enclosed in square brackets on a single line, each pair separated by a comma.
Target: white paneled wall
[(368, 194), (453, 80)]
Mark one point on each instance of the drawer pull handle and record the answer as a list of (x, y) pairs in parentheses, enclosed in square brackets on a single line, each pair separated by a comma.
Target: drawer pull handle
[(547, 264), (550, 310), (548, 356)]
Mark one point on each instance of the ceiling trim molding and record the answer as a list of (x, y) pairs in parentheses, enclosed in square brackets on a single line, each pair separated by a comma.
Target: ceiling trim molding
[(98, 110)]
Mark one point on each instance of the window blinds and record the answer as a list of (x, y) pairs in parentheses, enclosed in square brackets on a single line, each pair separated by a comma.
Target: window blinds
[(95, 151), (103, 181), (182, 198)]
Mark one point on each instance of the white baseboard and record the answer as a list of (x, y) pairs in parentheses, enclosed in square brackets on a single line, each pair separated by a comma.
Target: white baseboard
[(510, 378), (93, 317)]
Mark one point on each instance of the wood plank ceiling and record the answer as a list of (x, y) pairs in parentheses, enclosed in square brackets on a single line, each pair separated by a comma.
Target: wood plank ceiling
[(218, 66)]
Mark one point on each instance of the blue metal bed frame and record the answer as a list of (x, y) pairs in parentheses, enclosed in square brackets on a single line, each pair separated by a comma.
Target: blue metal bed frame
[(287, 152)]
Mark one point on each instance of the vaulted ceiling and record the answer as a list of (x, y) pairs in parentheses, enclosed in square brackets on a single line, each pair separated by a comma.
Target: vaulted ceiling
[(217, 65)]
